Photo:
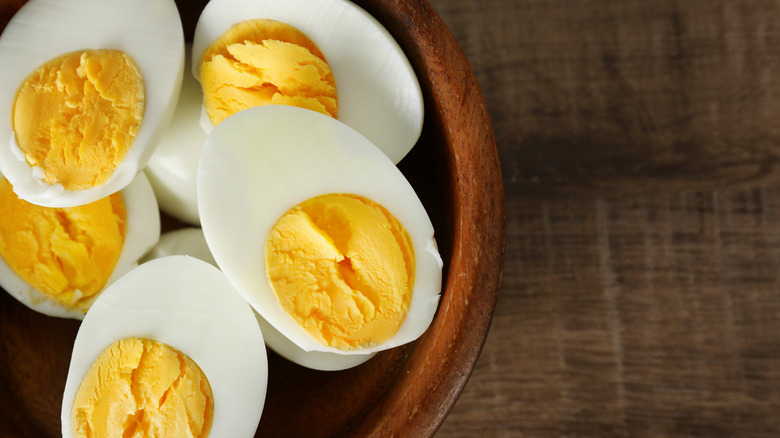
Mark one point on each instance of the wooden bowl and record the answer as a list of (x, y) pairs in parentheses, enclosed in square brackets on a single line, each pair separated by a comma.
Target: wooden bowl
[(407, 391)]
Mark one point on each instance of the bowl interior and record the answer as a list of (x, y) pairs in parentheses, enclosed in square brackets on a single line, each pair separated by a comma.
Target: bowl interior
[(403, 391)]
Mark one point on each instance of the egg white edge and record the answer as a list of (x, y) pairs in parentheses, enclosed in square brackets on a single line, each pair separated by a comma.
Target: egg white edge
[(229, 233), (316, 360), (22, 50), (191, 242), (373, 74), (188, 241), (167, 283), (141, 233)]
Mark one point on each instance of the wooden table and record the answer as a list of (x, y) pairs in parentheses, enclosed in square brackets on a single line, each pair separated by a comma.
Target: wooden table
[(640, 149)]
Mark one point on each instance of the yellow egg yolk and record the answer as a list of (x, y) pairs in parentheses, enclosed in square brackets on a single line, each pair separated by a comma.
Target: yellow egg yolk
[(67, 254), (142, 388), (76, 116), (342, 267), (262, 62)]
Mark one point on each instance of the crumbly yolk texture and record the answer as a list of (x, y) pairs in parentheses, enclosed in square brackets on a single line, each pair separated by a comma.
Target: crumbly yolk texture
[(76, 116), (342, 267), (262, 62), (143, 388), (67, 254)]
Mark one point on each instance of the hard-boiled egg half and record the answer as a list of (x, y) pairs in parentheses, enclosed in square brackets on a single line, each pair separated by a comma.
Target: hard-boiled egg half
[(192, 242), (318, 230), (327, 55), (170, 349), (58, 260), (87, 88)]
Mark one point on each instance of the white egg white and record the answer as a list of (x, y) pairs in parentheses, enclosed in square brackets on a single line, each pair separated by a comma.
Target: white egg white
[(142, 230), (189, 305), (262, 161), (316, 360), (184, 241), (150, 31), (192, 242), (378, 92), (173, 168)]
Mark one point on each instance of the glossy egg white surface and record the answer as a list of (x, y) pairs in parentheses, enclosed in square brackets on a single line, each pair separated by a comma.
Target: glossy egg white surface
[(150, 31), (262, 161), (192, 242), (141, 233), (173, 167), (189, 305), (188, 241), (316, 360), (378, 92)]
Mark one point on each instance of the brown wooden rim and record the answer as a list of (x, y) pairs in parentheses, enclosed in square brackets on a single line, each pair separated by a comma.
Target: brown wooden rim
[(458, 333)]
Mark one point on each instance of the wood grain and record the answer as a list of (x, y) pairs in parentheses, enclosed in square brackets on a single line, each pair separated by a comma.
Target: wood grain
[(600, 94), (639, 150)]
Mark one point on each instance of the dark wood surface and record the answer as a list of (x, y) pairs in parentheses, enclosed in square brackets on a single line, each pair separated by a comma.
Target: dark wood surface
[(640, 145)]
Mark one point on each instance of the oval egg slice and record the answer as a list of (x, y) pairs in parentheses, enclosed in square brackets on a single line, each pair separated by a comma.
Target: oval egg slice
[(148, 33), (141, 232), (192, 242), (263, 161), (377, 91), (188, 305)]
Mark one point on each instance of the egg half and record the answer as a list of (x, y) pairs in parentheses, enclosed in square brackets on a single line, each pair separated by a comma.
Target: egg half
[(149, 35), (192, 242), (188, 305), (261, 162), (142, 230), (377, 91)]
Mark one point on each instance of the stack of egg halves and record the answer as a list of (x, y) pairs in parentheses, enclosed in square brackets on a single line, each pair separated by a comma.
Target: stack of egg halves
[(204, 289)]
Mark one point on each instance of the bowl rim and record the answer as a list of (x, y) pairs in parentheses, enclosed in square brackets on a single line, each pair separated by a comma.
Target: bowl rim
[(417, 405)]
